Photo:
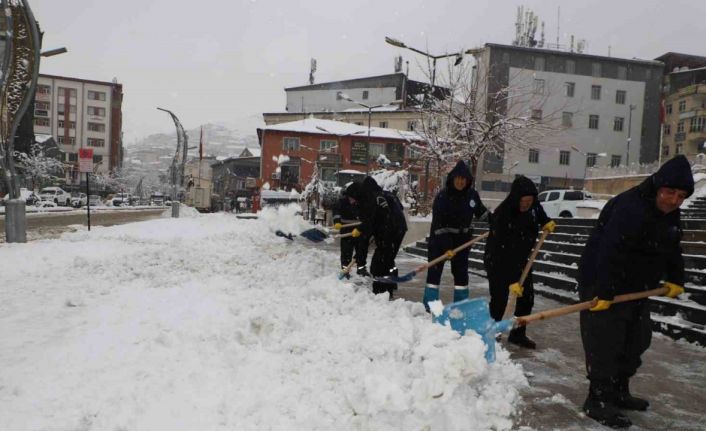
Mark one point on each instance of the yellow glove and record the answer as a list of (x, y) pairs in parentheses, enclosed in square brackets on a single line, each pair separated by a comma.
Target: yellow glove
[(450, 254), (356, 233), (516, 289), (601, 305), (674, 290), (550, 226), (337, 226)]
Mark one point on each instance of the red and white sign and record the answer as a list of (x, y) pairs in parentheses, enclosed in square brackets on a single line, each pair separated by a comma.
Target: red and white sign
[(85, 160)]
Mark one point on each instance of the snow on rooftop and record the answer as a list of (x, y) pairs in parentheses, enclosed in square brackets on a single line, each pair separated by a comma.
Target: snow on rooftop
[(329, 127), (41, 138)]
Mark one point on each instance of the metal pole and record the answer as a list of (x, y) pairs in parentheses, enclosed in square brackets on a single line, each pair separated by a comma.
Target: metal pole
[(367, 147), (88, 201), (627, 159)]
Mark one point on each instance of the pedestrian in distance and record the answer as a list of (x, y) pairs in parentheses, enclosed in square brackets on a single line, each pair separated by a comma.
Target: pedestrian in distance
[(452, 212), (346, 212), (382, 218), (634, 246), (513, 231)]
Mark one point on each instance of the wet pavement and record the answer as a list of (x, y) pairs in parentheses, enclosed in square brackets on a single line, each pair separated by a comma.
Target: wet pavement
[(672, 377)]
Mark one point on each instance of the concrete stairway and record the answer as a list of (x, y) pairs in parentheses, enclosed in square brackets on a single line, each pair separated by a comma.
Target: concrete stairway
[(556, 268)]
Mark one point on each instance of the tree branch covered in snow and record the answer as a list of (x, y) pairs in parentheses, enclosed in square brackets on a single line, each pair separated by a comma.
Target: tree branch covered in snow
[(39, 167)]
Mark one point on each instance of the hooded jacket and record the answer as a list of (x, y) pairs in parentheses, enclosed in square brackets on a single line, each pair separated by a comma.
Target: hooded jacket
[(381, 214), (634, 245), (513, 233), (343, 211), (453, 210)]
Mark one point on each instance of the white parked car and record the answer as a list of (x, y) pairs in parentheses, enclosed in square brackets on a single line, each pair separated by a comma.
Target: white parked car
[(121, 200), (79, 201), (55, 194), (95, 201), (562, 203), (25, 194)]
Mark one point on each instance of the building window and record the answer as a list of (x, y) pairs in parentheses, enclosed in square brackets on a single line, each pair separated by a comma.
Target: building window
[(698, 124), (365, 94), (43, 89), (593, 121), (61, 140), (668, 109), (98, 112), (411, 125), (570, 66), (327, 145), (73, 157), (595, 92), (667, 129), (534, 156), (620, 97), (567, 119), (564, 157), (375, 150), (665, 150), (43, 122), (290, 144), (383, 124), (596, 70), (614, 161), (93, 142), (60, 109), (95, 95), (42, 106), (590, 160), (622, 72), (96, 127), (97, 158), (682, 105), (569, 89), (679, 149), (61, 124), (539, 63), (70, 91), (538, 86), (618, 124), (537, 114), (413, 153), (680, 127)]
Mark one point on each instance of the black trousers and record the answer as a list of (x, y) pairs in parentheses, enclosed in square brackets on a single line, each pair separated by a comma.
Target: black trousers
[(459, 263), (615, 339), (383, 261), (499, 282), (359, 245)]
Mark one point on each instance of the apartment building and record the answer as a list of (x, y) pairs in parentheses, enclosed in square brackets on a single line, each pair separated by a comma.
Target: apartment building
[(600, 111), (81, 113)]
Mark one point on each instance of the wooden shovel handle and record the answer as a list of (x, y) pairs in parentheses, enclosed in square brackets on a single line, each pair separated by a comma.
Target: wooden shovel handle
[(444, 256), (512, 299), (358, 223), (343, 235), (347, 269), (561, 311)]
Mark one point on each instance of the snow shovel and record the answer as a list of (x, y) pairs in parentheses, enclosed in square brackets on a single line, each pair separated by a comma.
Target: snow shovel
[(474, 314), (346, 270), (421, 268), (349, 225), (313, 235), (512, 299)]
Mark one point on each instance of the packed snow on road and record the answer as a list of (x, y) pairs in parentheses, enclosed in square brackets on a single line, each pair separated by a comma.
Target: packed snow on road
[(211, 322)]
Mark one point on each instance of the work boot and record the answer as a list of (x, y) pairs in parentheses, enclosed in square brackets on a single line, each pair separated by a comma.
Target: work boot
[(600, 405), (519, 337), (363, 272), (431, 293), (624, 399), (460, 293)]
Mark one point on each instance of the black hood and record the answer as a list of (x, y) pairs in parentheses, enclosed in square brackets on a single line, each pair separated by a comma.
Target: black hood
[(370, 188), (522, 186), (676, 173), (354, 190), (460, 170)]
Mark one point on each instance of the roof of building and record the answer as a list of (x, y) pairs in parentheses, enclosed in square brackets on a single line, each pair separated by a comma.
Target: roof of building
[(395, 78), (317, 126), (85, 81), (546, 51), (677, 60)]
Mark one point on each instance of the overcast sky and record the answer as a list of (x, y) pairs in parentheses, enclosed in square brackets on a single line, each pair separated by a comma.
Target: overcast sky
[(230, 60)]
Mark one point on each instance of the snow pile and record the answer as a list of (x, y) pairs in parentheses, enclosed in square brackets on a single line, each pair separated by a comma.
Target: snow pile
[(206, 323), (391, 180)]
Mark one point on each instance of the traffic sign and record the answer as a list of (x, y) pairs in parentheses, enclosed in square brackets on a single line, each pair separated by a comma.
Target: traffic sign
[(85, 159)]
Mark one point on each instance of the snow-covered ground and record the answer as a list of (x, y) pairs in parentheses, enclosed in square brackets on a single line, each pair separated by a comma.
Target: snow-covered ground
[(212, 322)]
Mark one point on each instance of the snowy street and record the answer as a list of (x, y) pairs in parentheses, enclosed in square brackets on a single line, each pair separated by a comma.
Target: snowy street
[(211, 322)]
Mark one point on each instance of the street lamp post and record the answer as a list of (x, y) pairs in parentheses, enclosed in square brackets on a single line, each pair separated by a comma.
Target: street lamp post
[(585, 167), (627, 159)]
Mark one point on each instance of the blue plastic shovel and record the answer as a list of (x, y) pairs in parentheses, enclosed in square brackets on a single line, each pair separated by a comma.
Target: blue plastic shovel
[(473, 314)]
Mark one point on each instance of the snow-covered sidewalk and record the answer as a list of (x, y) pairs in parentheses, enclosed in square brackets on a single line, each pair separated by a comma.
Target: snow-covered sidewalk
[(213, 322)]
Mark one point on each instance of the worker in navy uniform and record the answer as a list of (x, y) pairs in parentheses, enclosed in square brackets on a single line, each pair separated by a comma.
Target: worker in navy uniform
[(345, 212), (382, 218), (452, 212), (513, 234), (635, 245)]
